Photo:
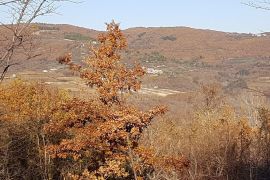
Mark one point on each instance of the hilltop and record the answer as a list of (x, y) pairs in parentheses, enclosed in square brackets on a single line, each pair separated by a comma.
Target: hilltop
[(174, 43)]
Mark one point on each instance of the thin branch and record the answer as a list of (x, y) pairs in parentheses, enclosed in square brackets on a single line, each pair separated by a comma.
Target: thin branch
[(23, 13), (4, 3), (5, 71), (265, 5)]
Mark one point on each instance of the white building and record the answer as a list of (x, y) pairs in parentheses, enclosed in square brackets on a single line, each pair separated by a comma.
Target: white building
[(154, 71)]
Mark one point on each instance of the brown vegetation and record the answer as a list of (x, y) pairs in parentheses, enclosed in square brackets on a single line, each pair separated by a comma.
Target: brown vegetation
[(220, 143), (25, 108), (48, 134), (109, 129), (83, 139)]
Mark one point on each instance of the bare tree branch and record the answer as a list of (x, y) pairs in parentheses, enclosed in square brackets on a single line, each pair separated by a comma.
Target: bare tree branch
[(3, 3), (20, 33), (264, 4), (5, 70)]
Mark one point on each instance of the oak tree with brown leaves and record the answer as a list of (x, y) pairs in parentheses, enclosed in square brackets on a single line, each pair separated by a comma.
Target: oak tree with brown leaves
[(100, 137)]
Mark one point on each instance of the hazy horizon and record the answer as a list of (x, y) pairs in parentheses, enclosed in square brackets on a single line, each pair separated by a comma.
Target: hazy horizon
[(104, 29)]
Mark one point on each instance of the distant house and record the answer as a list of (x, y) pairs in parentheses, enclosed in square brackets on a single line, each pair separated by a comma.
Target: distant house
[(154, 71)]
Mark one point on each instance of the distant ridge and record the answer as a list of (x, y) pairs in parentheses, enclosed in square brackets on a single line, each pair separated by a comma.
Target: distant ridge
[(174, 43)]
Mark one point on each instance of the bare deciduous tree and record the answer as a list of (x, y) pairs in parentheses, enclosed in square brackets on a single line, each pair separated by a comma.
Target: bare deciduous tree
[(262, 4), (17, 35)]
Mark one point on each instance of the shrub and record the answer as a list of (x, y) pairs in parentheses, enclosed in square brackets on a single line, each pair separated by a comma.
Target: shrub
[(169, 38), (24, 109), (141, 34), (77, 37), (154, 57), (219, 142)]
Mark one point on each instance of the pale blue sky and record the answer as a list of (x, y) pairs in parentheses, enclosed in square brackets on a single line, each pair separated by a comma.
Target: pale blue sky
[(224, 15)]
